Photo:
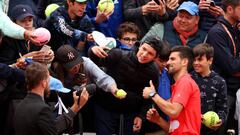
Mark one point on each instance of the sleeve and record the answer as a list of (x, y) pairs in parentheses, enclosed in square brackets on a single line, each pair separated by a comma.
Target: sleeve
[(13, 74), (9, 28), (102, 80), (221, 104), (64, 121), (131, 11), (110, 61), (91, 11), (63, 28), (182, 93), (222, 54), (156, 30)]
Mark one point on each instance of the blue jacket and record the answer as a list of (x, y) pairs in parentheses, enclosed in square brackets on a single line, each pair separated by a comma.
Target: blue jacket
[(65, 31), (110, 26), (12, 74)]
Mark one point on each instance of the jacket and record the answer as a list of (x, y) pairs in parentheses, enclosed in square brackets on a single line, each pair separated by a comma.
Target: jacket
[(39, 119), (66, 31), (131, 76), (225, 63)]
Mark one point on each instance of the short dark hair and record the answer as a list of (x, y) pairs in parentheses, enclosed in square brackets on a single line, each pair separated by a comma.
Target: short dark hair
[(203, 49), (185, 52), (165, 51), (35, 73), (226, 3), (127, 27)]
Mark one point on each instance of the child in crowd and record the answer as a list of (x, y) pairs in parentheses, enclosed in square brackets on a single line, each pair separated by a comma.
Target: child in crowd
[(212, 86)]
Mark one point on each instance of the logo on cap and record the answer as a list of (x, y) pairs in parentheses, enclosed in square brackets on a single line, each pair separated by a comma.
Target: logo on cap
[(24, 10), (70, 56)]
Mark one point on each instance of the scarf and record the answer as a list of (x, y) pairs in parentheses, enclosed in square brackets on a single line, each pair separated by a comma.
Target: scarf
[(182, 34)]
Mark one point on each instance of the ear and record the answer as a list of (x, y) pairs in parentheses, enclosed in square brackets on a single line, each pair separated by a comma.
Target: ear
[(210, 61), (185, 62)]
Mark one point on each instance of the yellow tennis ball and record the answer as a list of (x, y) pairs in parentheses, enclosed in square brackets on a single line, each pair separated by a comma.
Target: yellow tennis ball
[(210, 118), (50, 8), (106, 5), (121, 93)]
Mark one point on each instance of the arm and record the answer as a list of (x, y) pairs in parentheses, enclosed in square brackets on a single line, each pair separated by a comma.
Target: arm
[(102, 80), (221, 101), (153, 116), (9, 28), (172, 109), (131, 11), (7, 72), (63, 28)]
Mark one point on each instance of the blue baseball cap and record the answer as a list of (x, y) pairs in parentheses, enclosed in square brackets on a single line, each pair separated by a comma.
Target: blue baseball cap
[(57, 85), (190, 7)]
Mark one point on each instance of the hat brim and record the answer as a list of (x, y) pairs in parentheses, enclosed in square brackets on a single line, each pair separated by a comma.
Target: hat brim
[(21, 17), (70, 64), (188, 10)]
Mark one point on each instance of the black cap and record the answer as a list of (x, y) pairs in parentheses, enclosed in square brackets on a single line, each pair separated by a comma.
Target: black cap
[(155, 42), (19, 12), (68, 56)]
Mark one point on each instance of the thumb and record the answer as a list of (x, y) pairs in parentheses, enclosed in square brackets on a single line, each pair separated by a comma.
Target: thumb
[(151, 84)]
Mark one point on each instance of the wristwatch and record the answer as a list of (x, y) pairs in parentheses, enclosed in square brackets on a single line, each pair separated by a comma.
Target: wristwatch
[(152, 94)]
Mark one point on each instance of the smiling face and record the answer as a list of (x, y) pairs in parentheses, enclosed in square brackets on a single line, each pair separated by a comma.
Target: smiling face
[(202, 65), (129, 39), (185, 21), (76, 9), (146, 53), (174, 63)]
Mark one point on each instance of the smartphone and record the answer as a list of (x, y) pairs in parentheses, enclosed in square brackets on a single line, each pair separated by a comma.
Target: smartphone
[(157, 1), (212, 4), (45, 48)]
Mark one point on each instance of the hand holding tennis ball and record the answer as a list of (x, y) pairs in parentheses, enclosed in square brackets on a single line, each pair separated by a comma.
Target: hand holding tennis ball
[(106, 6), (210, 119), (121, 93)]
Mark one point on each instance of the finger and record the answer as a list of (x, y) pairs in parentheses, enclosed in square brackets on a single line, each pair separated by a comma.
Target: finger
[(151, 84)]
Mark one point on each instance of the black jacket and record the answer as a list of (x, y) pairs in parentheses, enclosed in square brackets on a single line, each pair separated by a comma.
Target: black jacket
[(34, 117), (131, 76), (224, 62)]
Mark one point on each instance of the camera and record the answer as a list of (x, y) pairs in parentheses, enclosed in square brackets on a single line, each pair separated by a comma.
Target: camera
[(91, 89)]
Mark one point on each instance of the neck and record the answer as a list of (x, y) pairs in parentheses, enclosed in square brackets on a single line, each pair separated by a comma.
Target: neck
[(179, 74), (206, 73), (230, 19), (38, 91)]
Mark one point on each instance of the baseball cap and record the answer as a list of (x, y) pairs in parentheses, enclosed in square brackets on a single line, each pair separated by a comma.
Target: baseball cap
[(81, 1), (190, 7), (19, 12), (57, 85), (68, 56), (154, 42)]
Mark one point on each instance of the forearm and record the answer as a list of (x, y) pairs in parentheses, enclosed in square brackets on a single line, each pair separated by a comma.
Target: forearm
[(9, 28), (167, 107), (163, 124)]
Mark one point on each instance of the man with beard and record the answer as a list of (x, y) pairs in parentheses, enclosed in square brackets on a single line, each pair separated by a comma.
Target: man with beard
[(33, 116), (183, 108)]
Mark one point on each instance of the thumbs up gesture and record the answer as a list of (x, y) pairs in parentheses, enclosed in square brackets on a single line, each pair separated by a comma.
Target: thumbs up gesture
[(148, 90)]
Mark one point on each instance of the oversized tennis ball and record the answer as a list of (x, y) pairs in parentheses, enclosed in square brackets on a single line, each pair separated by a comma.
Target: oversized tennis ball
[(50, 8), (42, 35), (210, 118), (121, 93), (106, 5)]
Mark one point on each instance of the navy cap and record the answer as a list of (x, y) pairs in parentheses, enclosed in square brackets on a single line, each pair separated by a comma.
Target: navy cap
[(19, 12)]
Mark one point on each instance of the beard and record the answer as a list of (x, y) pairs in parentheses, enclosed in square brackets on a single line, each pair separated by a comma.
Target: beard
[(47, 92)]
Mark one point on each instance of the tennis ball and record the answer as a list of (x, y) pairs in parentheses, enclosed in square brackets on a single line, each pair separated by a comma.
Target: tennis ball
[(50, 8), (106, 5), (42, 35), (121, 93), (210, 118)]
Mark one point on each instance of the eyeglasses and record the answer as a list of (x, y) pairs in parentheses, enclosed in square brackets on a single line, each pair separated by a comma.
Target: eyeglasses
[(128, 40)]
